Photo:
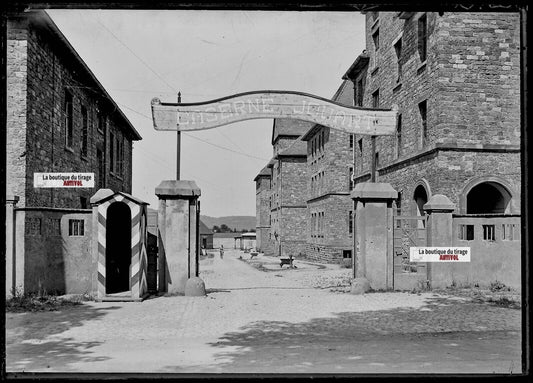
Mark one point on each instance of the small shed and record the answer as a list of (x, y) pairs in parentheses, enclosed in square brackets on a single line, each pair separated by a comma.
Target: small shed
[(206, 236), (247, 241), (120, 221)]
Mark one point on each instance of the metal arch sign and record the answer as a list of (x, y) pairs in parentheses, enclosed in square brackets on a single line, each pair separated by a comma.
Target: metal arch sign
[(272, 104)]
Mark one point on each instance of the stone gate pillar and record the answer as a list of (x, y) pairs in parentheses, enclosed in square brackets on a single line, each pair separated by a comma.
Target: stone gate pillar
[(177, 242), (373, 237), (439, 211)]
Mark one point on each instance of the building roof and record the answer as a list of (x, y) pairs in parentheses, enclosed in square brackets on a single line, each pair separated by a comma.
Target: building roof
[(264, 173), (359, 64), (41, 19), (103, 195), (289, 128), (344, 95), (204, 230), (297, 149)]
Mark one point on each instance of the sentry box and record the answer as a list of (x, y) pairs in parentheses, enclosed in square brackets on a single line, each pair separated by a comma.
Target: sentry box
[(119, 247)]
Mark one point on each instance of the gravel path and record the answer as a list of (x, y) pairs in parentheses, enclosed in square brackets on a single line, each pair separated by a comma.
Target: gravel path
[(253, 321)]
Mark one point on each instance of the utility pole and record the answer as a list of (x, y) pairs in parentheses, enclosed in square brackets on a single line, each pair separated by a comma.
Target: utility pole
[(178, 146)]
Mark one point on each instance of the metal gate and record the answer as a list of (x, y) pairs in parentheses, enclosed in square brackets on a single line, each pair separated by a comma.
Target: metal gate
[(409, 231)]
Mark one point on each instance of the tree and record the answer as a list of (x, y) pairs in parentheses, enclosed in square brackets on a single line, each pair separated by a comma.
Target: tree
[(224, 228), (216, 229)]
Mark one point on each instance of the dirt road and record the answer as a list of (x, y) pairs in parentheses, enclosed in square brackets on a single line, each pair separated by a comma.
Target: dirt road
[(270, 321)]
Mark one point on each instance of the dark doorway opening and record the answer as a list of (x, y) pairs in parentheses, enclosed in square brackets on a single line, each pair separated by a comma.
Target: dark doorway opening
[(488, 198), (118, 248)]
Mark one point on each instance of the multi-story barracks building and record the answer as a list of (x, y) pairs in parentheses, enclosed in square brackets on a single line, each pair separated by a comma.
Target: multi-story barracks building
[(281, 189), (329, 175), (455, 80)]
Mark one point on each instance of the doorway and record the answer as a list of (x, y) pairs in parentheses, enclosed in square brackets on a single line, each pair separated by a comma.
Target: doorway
[(118, 248)]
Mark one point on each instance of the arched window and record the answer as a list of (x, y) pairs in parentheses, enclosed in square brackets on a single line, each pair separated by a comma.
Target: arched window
[(420, 197), (488, 198)]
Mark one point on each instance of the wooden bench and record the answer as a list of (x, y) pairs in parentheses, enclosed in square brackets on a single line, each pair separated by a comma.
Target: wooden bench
[(285, 261)]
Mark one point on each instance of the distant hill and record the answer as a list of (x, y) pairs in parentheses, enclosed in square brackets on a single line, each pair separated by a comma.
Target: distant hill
[(237, 222)]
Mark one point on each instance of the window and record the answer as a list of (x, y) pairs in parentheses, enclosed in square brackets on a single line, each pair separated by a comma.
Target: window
[(466, 232), (399, 136), (375, 99), (101, 169), (111, 152), (33, 227), (351, 141), (69, 119), (375, 39), (398, 50), (509, 232), (422, 37), (346, 253), (488, 233), (83, 202), (350, 183), (350, 222), (376, 160), (76, 227), (423, 116), (359, 92), (84, 131), (101, 122)]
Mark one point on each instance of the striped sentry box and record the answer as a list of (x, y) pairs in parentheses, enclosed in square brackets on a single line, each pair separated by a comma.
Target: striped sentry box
[(138, 281)]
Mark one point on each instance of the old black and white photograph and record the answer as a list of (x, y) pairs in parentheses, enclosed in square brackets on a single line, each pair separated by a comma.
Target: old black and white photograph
[(264, 190)]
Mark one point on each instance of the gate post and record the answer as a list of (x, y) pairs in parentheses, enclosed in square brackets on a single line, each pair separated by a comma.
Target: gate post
[(439, 211), (373, 237), (178, 201)]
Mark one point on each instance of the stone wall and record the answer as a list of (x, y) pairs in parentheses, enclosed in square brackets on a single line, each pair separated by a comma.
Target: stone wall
[(16, 121), (53, 259), (329, 244)]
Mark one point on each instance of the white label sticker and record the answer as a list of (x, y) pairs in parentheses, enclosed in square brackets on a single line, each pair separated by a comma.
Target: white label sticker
[(63, 180), (439, 254)]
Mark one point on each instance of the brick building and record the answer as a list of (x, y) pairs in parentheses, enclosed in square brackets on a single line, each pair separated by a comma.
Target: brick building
[(330, 207), (60, 118), (455, 81)]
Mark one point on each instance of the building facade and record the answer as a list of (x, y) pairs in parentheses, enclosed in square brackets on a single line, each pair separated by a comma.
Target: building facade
[(281, 191), (329, 205), (455, 81), (60, 118)]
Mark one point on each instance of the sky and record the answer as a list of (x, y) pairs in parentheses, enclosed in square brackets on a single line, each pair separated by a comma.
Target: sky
[(141, 54)]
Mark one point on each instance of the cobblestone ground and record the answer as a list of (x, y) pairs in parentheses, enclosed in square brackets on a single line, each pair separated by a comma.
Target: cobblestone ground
[(267, 319)]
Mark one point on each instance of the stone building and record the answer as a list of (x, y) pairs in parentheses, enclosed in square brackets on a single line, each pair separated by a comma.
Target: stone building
[(284, 181), (455, 79), (330, 207), (262, 209), (60, 118)]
